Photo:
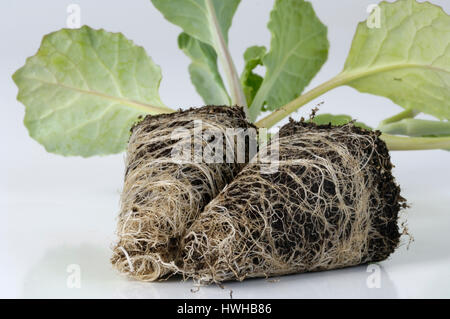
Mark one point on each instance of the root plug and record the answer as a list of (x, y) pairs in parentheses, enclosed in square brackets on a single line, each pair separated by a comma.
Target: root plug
[(161, 196), (332, 203)]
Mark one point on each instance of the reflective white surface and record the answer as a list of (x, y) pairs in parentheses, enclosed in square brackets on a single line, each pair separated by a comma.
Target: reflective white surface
[(56, 212), (61, 212)]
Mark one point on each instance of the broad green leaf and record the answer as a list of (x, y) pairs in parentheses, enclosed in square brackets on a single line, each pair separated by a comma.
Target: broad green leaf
[(417, 127), (299, 48), (251, 82), (84, 89), (337, 120), (204, 71), (208, 21), (407, 59), (195, 19)]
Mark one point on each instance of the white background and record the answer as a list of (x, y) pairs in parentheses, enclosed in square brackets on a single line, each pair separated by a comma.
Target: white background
[(57, 211)]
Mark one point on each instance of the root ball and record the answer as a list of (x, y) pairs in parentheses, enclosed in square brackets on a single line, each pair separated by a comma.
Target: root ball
[(162, 196), (332, 203)]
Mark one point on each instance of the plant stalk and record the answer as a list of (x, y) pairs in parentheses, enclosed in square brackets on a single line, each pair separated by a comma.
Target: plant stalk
[(292, 106), (401, 143), (341, 79), (406, 114), (234, 83), (416, 127)]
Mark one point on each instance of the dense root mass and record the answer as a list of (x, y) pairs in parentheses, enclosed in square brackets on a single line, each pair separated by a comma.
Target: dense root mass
[(162, 196), (332, 203)]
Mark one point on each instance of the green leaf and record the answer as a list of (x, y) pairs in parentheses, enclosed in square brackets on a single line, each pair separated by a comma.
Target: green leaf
[(84, 89), (299, 48), (195, 19), (207, 21), (251, 82), (407, 59), (204, 71), (417, 127), (337, 120)]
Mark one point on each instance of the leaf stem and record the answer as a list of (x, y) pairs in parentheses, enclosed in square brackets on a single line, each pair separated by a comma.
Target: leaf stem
[(237, 93), (405, 114), (416, 127), (292, 106), (394, 143), (401, 143), (341, 79)]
